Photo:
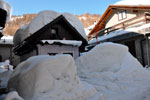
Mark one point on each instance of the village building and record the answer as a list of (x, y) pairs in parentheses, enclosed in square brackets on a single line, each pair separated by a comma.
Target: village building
[(58, 36), (125, 23), (6, 42), (6, 50)]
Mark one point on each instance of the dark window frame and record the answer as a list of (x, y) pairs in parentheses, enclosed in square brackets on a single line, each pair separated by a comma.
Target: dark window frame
[(52, 54), (69, 52)]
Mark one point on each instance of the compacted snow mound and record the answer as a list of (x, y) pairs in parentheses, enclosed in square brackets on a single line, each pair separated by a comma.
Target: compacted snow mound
[(114, 72), (49, 78)]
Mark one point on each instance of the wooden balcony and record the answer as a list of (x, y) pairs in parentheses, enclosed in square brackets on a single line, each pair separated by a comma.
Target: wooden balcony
[(133, 22)]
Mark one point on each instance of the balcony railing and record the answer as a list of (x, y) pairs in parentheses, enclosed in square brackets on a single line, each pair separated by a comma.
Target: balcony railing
[(133, 22)]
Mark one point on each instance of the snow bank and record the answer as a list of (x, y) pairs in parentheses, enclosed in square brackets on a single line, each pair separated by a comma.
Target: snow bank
[(133, 2), (42, 19), (4, 5), (49, 78), (114, 72)]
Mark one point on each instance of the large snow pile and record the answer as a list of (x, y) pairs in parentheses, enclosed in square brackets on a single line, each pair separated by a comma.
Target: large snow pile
[(115, 73), (42, 19), (49, 78), (4, 5), (133, 2)]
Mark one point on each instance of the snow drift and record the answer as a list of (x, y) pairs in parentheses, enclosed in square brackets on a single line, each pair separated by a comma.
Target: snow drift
[(42, 19), (49, 78), (114, 72)]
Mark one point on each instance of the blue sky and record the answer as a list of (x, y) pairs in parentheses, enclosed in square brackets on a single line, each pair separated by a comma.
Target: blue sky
[(72, 6)]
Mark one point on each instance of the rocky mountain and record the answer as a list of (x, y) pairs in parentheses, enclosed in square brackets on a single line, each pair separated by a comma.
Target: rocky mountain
[(19, 21)]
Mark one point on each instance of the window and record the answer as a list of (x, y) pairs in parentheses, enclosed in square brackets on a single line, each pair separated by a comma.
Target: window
[(54, 33), (122, 15), (52, 54), (68, 52)]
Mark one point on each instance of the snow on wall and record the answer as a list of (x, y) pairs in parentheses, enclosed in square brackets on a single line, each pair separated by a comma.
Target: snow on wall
[(42, 19), (114, 72), (69, 42), (49, 78), (4, 5), (133, 2)]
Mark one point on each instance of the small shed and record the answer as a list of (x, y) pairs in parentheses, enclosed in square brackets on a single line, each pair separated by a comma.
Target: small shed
[(59, 36)]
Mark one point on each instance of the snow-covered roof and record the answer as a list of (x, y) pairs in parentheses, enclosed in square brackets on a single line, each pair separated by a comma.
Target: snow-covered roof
[(4, 5), (120, 32), (133, 2), (67, 42), (42, 19), (6, 40)]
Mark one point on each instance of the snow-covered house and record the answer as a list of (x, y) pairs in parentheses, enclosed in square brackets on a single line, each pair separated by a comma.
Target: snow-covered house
[(126, 22), (50, 33)]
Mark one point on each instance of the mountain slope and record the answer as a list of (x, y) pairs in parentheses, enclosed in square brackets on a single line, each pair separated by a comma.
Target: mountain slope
[(19, 21)]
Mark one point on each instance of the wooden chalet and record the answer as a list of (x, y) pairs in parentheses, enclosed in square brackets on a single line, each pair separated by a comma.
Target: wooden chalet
[(59, 29), (134, 21)]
